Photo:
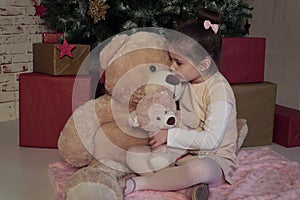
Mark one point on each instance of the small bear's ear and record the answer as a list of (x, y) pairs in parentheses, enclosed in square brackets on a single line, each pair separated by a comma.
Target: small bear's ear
[(132, 120)]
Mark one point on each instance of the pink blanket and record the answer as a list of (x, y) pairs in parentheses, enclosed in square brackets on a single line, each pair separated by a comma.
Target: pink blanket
[(262, 175)]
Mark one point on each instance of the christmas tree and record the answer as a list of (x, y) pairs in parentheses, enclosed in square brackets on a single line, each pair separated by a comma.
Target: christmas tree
[(92, 21)]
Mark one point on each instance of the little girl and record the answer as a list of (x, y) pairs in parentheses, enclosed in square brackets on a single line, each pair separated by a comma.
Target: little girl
[(208, 95)]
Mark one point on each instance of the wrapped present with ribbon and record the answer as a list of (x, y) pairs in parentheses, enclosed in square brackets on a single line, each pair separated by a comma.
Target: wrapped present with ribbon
[(61, 59)]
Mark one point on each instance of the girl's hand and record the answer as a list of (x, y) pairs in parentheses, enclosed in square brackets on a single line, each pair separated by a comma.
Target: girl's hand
[(158, 139)]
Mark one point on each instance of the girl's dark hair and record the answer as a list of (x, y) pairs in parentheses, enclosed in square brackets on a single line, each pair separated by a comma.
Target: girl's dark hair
[(207, 38)]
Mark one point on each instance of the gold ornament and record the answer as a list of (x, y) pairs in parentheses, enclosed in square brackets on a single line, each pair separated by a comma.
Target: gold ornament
[(97, 10)]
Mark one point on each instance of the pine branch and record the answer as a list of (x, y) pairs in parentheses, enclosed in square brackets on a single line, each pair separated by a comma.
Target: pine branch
[(72, 16)]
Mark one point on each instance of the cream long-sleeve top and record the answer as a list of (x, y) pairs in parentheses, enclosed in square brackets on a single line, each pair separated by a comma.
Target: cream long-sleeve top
[(209, 138), (214, 104)]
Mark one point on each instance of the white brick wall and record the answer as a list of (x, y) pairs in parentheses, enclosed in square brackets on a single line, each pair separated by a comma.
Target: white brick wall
[(19, 28)]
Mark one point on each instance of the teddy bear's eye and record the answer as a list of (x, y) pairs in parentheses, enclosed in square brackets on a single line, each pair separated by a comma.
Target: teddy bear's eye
[(166, 112), (152, 68), (158, 118)]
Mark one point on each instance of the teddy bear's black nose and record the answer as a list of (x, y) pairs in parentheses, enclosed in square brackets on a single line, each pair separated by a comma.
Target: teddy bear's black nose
[(173, 80), (171, 121)]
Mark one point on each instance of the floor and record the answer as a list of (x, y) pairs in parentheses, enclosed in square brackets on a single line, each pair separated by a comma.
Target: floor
[(24, 171)]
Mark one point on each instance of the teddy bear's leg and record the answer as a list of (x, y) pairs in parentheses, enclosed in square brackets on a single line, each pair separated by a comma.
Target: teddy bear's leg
[(76, 140), (164, 157), (136, 159), (93, 184)]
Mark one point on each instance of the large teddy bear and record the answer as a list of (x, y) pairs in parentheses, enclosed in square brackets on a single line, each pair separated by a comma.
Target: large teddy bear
[(97, 135)]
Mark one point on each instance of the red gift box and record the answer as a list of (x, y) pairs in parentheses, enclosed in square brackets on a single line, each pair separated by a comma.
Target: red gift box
[(46, 103), (287, 126), (51, 37), (243, 59)]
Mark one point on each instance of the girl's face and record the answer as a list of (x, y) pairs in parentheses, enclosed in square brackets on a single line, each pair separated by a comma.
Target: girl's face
[(184, 69)]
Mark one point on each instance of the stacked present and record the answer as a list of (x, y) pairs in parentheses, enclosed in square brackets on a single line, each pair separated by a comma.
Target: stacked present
[(46, 95), (242, 63), (287, 126)]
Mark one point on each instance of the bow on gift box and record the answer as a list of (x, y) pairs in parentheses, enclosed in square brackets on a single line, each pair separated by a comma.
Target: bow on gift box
[(207, 24)]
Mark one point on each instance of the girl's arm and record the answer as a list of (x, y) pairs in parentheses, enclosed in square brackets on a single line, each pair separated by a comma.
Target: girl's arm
[(217, 117)]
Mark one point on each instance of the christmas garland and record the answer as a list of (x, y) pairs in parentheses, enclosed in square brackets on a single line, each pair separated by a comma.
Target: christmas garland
[(92, 21)]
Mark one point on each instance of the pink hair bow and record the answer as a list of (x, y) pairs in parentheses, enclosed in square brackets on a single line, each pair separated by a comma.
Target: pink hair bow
[(208, 24)]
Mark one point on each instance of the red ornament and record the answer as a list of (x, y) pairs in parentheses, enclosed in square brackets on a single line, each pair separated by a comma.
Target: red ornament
[(40, 10), (65, 49)]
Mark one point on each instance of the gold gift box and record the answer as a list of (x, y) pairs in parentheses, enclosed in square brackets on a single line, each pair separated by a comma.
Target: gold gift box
[(256, 103), (46, 60)]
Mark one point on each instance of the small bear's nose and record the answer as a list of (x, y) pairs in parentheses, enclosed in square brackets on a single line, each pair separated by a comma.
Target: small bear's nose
[(171, 121)]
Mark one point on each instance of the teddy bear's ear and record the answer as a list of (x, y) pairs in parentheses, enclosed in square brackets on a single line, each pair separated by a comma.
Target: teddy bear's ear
[(111, 49), (132, 120)]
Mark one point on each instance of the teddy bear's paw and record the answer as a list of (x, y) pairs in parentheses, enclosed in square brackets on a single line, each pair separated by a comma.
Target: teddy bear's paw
[(92, 191), (91, 183)]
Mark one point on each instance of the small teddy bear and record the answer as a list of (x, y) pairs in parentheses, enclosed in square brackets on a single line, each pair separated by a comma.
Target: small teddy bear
[(154, 112)]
